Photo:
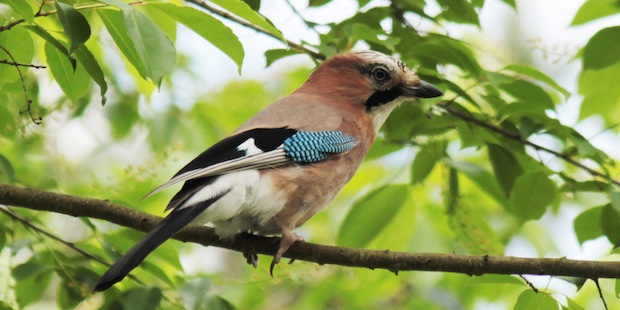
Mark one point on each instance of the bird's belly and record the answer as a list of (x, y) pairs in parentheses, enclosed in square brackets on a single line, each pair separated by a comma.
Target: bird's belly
[(249, 206)]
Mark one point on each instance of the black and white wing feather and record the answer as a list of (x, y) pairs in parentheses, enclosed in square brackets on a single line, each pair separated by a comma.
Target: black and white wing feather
[(259, 148)]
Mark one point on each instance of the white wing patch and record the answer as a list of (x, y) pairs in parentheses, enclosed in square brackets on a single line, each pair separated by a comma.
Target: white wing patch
[(250, 148), (274, 158)]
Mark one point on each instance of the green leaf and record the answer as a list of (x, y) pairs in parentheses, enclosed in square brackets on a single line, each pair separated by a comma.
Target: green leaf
[(123, 115), (424, 162), (511, 3), (68, 296), (86, 59), (586, 186), (381, 148), (194, 293), (55, 43), (595, 9), (530, 94), (601, 94), (445, 50), (253, 4), (485, 180), (219, 303), (117, 3), (74, 23), (23, 9), (8, 127), (529, 300), (471, 227), (276, 54), (573, 305), (602, 49), (31, 289), (588, 224), (143, 298), (20, 44), (2, 238), (27, 270), (610, 222), (165, 22), (113, 21), (242, 10), (531, 194), (32, 279), (152, 45), (74, 83), (375, 37), (615, 200), (538, 75), (505, 166), (458, 11), (584, 147), (370, 214), (210, 28)]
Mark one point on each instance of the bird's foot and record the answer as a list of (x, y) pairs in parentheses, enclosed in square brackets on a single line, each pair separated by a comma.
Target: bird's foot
[(251, 258), (288, 238)]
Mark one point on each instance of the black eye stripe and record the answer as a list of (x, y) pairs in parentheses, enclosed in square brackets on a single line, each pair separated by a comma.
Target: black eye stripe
[(382, 97)]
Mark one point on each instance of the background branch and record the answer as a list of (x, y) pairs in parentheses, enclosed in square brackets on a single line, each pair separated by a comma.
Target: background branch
[(36, 120), (321, 254), (233, 18), (567, 158)]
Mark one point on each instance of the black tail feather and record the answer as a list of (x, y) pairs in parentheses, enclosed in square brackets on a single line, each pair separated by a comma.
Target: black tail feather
[(163, 231)]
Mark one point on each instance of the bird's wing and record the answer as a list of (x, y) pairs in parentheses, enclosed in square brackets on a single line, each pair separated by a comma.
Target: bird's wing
[(262, 148)]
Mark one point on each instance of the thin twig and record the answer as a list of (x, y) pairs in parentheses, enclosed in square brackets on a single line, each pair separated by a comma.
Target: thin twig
[(43, 2), (36, 120), (470, 119), (308, 24), (600, 293), (68, 244), (50, 12), (226, 15), (8, 62), (530, 284)]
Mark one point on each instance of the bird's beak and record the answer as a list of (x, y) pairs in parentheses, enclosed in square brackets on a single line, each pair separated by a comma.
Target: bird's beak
[(422, 90)]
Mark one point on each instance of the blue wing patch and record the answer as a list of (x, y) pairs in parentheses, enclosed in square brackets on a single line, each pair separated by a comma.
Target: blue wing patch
[(309, 147)]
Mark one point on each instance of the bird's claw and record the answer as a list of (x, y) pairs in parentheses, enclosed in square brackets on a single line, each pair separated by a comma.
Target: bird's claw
[(251, 258), (274, 262)]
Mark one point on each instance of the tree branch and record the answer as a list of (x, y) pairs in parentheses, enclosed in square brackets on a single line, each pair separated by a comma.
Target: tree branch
[(321, 254), (567, 158), (231, 17), (17, 64)]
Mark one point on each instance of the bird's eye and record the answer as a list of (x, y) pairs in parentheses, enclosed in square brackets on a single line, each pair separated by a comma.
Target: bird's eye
[(380, 75)]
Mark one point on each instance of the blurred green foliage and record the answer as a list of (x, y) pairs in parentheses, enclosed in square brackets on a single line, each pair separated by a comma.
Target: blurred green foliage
[(435, 181)]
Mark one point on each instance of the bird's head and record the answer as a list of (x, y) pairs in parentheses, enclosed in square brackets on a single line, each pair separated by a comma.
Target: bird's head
[(368, 80)]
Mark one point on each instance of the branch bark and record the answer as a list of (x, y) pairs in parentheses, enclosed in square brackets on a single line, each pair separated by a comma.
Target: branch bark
[(321, 254)]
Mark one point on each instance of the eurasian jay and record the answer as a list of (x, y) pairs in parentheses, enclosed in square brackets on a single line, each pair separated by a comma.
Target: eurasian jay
[(288, 161)]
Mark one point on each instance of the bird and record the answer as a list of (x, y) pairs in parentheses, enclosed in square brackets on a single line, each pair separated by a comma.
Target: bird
[(288, 161)]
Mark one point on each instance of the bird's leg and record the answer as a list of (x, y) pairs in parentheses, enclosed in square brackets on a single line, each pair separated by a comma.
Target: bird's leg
[(288, 238)]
